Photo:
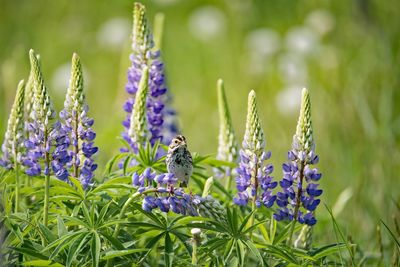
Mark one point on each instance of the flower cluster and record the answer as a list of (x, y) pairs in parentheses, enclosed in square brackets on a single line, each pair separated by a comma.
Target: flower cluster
[(63, 148), (13, 145), (75, 140), (253, 173), (145, 56), (161, 192), (298, 198)]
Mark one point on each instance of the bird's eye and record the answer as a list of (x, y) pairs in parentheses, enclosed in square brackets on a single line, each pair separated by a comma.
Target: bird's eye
[(176, 141)]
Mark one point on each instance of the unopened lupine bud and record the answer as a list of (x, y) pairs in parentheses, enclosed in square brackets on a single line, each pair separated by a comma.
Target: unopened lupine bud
[(227, 145), (138, 127)]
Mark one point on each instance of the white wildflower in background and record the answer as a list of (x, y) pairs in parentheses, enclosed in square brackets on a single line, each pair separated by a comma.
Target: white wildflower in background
[(301, 39), (293, 68), (114, 33), (288, 100), (261, 44), (320, 21), (207, 22)]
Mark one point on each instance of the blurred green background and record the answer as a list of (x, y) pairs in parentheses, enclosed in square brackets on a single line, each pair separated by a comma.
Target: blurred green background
[(347, 53)]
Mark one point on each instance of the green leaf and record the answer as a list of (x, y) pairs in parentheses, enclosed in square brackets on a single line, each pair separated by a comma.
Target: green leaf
[(240, 252), (30, 252), (86, 214), (337, 228), (119, 253), (119, 182), (75, 248), (126, 163), (111, 162), (95, 249), (169, 251), (254, 250), (50, 237), (114, 241), (392, 235), (62, 230), (41, 263), (78, 186), (326, 250), (285, 232), (281, 253)]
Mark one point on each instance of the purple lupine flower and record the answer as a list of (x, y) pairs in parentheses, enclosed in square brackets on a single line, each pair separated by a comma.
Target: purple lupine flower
[(74, 155), (40, 131), (254, 180), (299, 194), (159, 116), (12, 146), (166, 196)]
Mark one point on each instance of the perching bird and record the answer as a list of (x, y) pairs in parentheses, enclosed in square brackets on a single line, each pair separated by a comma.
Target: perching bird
[(179, 161)]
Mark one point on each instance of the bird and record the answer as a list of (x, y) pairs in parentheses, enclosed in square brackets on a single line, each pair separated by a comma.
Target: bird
[(179, 160)]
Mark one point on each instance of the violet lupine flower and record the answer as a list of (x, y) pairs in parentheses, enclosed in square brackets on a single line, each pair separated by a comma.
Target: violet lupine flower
[(12, 146), (254, 181), (299, 196), (39, 127), (161, 192), (75, 141), (144, 55)]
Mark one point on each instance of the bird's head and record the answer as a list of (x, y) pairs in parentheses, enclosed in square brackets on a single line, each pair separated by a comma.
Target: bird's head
[(178, 141)]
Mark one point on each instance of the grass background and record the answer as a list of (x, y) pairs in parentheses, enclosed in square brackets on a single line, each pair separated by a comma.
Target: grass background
[(352, 72)]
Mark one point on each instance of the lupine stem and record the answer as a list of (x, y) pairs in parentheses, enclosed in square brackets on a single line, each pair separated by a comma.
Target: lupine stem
[(17, 184), (76, 147), (253, 206), (46, 183), (298, 203)]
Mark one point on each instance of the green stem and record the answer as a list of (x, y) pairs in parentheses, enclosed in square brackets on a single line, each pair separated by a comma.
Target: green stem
[(229, 183), (76, 147), (298, 203), (253, 204), (17, 185), (46, 184), (194, 253)]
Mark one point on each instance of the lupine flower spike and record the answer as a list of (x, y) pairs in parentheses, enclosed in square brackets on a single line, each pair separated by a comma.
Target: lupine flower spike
[(12, 147), (75, 142), (41, 133), (298, 199), (227, 144), (39, 127), (12, 144), (254, 181), (144, 55), (138, 130)]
